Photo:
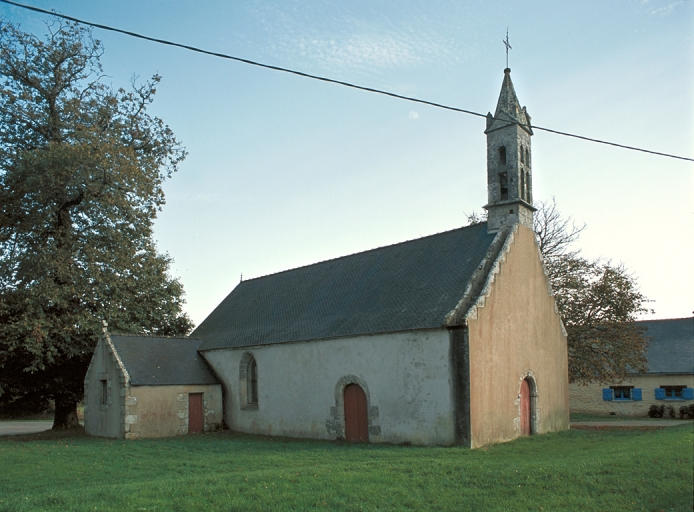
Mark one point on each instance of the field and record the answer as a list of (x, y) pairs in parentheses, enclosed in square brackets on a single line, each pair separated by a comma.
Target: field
[(576, 471)]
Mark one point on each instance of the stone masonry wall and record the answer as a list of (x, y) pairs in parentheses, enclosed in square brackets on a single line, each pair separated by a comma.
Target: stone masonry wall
[(162, 411), (589, 398)]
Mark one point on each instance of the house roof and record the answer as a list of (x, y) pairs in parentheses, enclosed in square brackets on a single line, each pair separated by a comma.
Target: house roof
[(162, 361), (671, 345), (410, 285)]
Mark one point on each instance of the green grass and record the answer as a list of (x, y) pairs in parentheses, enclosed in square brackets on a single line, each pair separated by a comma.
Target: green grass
[(577, 470)]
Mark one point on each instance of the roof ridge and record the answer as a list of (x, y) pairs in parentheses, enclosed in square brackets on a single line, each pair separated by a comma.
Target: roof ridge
[(665, 319), (345, 256), (154, 336)]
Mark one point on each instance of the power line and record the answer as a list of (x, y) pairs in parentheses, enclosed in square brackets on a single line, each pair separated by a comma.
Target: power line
[(241, 59), (323, 78)]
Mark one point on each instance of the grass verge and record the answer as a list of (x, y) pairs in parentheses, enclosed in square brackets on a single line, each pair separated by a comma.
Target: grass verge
[(575, 470)]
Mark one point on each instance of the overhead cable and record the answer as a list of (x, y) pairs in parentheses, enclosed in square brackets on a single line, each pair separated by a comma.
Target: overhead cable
[(323, 78)]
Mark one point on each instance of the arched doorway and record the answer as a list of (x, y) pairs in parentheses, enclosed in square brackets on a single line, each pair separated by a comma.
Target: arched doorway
[(356, 418), (527, 405)]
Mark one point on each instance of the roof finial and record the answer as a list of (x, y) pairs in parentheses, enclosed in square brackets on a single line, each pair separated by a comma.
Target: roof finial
[(507, 44)]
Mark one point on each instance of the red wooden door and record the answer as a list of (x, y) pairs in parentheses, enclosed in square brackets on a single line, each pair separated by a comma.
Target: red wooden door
[(525, 408), (356, 419), (195, 419)]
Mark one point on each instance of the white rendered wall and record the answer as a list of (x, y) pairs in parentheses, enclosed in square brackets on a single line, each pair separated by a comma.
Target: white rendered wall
[(406, 377), (104, 419)]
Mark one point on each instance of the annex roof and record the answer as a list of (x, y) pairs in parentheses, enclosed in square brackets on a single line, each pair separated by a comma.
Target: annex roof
[(410, 285), (162, 361), (671, 345)]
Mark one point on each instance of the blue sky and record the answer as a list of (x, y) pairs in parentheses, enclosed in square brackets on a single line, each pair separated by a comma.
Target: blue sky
[(283, 171)]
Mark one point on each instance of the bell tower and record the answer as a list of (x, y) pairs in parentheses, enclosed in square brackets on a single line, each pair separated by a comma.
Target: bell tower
[(509, 167)]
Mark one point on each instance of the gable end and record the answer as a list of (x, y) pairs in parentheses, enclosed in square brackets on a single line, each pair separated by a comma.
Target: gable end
[(480, 282), (116, 357)]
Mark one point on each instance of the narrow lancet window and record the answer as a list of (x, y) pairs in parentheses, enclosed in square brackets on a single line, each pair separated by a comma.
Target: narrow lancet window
[(252, 382), (503, 186), (502, 155), (523, 190), (248, 382), (104, 392)]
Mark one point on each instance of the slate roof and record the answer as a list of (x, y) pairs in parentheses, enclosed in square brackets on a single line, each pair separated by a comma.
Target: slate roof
[(410, 285), (671, 345), (160, 361)]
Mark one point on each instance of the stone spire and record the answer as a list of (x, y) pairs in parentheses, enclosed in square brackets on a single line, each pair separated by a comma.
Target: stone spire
[(509, 172), (508, 108)]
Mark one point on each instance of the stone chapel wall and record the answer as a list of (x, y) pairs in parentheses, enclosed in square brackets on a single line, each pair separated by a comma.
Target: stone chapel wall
[(405, 377), (516, 333)]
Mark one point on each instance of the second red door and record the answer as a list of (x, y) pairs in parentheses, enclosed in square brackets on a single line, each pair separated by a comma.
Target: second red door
[(356, 417)]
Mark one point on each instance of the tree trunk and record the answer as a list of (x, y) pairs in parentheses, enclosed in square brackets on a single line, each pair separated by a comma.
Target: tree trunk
[(65, 414)]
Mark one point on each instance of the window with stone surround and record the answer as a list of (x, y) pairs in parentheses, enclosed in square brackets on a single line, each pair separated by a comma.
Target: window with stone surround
[(248, 382)]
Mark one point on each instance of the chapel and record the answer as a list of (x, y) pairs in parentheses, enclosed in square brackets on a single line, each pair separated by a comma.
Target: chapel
[(453, 338)]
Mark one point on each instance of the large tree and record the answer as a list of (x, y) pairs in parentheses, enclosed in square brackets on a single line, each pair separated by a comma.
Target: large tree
[(81, 174), (597, 300)]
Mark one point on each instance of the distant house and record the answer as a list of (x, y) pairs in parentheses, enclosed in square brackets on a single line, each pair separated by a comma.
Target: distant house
[(150, 387), (452, 338), (669, 379)]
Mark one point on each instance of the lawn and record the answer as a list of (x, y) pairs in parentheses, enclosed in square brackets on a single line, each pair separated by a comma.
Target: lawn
[(577, 470)]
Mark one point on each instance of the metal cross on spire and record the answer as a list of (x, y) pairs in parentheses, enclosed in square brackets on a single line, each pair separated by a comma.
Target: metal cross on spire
[(507, 44)]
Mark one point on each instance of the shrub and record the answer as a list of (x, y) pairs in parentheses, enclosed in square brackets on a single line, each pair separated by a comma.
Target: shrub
[(655, 411)]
